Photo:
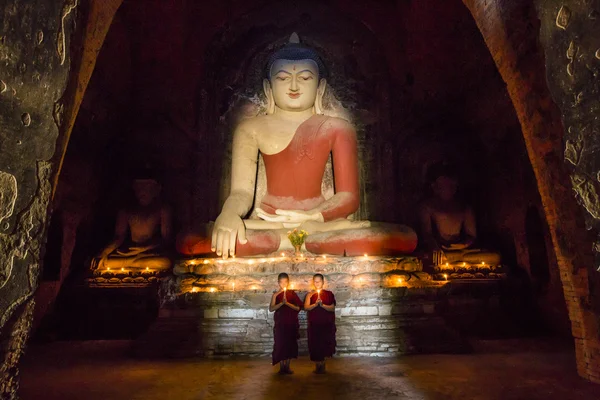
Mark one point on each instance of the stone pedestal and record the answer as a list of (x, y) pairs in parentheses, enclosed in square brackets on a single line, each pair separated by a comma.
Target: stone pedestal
[(385, 306)]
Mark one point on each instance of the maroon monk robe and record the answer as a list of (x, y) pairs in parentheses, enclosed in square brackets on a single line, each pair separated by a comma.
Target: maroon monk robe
[(321, 328), (286, 328)]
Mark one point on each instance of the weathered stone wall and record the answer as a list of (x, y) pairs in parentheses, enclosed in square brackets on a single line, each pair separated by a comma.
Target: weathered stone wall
[(34, 48), (571, 43), (39, 102)]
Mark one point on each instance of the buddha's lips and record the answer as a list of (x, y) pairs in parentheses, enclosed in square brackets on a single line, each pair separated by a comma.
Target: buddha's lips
[(294, 95)]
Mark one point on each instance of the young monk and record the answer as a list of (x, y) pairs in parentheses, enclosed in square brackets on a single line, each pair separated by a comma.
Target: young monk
[(320, 306), (286, 304)]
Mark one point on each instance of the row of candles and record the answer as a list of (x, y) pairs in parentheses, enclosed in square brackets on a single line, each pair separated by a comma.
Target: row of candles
[(146, 270), (464, 265), (251, 261)]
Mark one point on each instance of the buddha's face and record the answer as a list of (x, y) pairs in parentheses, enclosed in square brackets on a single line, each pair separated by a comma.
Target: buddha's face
[(294, 84), (146, 191), (318, 282), (445, 187)]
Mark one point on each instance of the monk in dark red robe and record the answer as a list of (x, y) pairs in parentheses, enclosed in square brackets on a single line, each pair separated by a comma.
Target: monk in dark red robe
[(320, 306), (286, 305)]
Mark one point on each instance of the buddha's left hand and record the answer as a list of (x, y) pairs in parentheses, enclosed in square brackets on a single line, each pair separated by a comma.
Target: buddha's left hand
[(290, 218)]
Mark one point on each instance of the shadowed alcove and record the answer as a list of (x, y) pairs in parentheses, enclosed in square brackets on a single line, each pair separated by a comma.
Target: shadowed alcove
[(422, 91)]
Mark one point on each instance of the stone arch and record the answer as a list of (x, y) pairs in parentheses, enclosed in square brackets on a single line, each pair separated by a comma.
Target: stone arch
[(510, 30)]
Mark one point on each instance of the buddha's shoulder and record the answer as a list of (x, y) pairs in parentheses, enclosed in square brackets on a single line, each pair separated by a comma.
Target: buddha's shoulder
[(338, 124), (253, 124)]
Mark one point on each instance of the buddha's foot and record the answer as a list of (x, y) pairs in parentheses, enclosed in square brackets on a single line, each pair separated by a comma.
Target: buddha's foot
[(379, 240)]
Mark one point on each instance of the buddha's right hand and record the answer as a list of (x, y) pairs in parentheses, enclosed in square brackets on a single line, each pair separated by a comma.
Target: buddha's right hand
[(228, 228)]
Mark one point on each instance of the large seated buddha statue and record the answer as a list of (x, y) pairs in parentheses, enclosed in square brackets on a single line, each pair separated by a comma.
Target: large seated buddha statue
[(142, 231), (295, 140), (448, 226)]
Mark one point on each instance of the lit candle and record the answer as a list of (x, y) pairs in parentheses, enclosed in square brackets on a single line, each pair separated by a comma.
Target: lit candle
[(318, 294), (483, 263), (263, 260), (233, 286), (108, 269), (284, 291), (447, 265), (250, 262), (205, 262), (194, 289), (400, 281), (193, 262), (212, 290), (122, 269), (446, 276), (282, 254), (272, 259), (366, 256), (324, 257)]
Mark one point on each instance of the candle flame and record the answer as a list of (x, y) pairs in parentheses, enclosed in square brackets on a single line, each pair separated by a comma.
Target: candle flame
[(446, 276), (108, 269), (205, 261), (195, 289), (324, 257), (250, 262), (282, 254), (212, 289), (122, 269)]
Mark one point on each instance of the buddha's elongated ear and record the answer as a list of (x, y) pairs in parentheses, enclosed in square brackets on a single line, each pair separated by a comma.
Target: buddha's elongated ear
[(319, 99), (269, 96)]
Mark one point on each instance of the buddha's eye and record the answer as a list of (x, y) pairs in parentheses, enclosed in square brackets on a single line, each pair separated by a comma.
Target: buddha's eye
[(282, 78), (306, 78)]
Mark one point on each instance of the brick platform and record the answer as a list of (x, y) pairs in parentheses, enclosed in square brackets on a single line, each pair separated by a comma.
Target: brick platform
[(385, 307)]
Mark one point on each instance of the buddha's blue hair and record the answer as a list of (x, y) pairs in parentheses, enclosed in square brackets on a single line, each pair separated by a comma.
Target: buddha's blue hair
[(296, 52)]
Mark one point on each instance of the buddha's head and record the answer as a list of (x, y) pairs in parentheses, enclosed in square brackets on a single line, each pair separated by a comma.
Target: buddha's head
[(444, 181), (295, 79), (146, 187)]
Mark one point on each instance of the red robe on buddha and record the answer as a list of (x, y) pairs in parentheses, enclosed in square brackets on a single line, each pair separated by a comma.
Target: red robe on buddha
[(294, 177), (321, 328), (286, 328)]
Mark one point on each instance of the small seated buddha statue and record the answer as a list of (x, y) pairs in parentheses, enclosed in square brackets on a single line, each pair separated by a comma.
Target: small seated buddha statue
[(142, 232), (448, 226), (295, 139)]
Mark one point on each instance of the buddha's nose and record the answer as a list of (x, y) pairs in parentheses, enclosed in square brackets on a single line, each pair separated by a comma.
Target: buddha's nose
[(294, 86)]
